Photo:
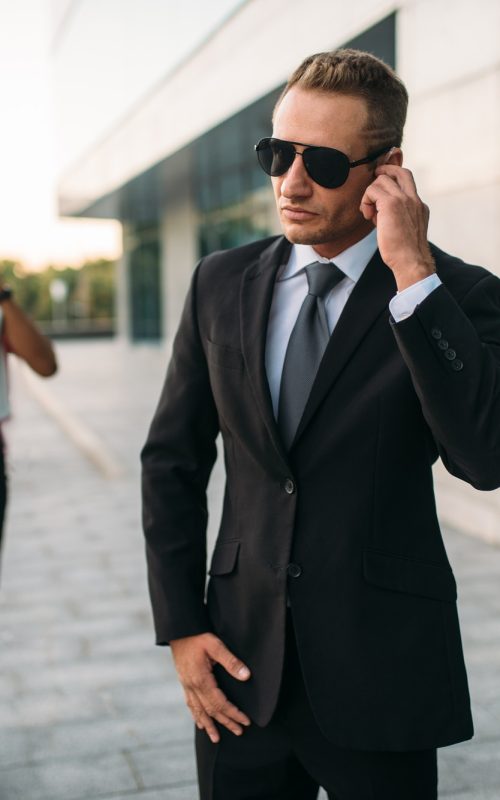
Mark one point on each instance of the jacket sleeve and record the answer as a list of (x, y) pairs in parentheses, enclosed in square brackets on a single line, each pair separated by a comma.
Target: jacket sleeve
[(177, 460), (453, 353)]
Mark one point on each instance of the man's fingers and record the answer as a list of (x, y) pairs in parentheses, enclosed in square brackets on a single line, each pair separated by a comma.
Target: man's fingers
[(202, 719), (403, 177), (387, 184), (230, 724), (194, 660), (376, 193), (392, 190), (204, 711), (218, 651), (383, 190), (215, 701), (216, 704), (368, 209)]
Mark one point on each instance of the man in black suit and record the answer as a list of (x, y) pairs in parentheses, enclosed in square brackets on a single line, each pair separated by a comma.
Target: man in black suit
[(338, 362)]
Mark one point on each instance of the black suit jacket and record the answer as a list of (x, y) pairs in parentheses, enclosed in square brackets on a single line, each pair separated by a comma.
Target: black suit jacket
[(346, 520)]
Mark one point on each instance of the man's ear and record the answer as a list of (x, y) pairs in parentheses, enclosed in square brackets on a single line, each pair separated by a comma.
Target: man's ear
[(394, 157)]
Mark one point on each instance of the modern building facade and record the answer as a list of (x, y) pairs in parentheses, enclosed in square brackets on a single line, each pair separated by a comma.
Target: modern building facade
[(175, 161)]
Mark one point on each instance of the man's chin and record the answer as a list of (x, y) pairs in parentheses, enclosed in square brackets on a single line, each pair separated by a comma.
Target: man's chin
[(297, 234)]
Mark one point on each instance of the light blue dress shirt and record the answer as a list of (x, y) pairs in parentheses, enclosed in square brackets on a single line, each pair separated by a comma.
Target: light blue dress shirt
[(291, 287)]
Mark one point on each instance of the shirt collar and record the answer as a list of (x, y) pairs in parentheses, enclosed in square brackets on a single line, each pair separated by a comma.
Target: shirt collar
[(351, 261)]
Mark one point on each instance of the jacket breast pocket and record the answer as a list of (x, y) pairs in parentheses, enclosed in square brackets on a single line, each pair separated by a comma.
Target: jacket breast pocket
[(401, 574), (224, 356), (224, 558)]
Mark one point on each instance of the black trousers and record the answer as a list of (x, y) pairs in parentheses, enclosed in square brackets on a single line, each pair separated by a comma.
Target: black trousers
[(290, 759)]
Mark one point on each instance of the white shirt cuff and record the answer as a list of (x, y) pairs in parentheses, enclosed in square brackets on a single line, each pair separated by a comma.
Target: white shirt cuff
[(404, 303)]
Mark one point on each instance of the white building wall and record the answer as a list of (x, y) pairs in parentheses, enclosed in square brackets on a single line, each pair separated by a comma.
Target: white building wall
[(108, 54), (448, 56), (447, 53), (58, 10), (242, 61)]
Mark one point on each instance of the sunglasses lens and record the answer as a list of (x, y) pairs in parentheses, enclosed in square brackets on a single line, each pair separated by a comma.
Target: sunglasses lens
[(328, 167), (275, 157)]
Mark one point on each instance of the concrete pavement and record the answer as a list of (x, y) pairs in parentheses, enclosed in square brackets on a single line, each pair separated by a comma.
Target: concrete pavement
[(89, 708)]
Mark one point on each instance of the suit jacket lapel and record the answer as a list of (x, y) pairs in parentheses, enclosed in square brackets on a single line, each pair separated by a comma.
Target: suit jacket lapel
[(368, 300), (255, 303)]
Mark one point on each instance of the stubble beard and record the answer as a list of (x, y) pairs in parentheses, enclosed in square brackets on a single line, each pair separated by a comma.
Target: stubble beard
[(300, 234), (329, 232)]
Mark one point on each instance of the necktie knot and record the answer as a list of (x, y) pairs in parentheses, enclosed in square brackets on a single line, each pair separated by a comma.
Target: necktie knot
[(322, 277)]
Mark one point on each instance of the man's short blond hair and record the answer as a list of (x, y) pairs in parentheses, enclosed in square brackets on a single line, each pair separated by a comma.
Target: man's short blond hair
[(359, 74)]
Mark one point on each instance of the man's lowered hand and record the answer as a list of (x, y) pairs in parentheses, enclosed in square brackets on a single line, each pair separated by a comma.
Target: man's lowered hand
[(194, 657)]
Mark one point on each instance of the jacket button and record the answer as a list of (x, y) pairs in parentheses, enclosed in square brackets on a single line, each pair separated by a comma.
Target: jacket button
[(450, 354), (457, 365), (294, 570), (443, 344), (289, 486), (436, 333)]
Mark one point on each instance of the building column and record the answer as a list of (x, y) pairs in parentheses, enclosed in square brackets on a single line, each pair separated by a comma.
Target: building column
[(122, 310), (179, 254)]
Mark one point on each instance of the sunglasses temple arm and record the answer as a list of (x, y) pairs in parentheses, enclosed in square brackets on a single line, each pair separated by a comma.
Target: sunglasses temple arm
[(371, 157)]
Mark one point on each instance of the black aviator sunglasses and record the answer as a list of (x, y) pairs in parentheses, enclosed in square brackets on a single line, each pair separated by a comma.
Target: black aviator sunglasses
[(325, 165)]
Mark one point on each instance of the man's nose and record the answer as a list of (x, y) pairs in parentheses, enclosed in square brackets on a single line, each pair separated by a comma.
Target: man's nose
[(296, 181)]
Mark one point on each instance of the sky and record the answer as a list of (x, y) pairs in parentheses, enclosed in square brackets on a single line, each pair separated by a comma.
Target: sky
[(30, 231), (69, 70)]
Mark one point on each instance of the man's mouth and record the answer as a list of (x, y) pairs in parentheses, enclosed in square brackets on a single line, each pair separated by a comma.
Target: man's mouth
[(296, 213)]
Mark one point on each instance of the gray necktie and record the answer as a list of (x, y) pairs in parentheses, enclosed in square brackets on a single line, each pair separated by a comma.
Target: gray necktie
[(305, 349)]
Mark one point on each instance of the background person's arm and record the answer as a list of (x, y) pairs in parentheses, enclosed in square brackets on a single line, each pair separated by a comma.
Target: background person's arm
[(26, 341)]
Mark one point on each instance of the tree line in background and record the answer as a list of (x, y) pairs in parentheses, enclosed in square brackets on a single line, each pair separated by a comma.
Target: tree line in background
[(67, 300)]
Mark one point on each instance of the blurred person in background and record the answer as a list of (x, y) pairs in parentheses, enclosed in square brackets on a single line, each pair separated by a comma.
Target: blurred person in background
[(338, 362), (18, 335)]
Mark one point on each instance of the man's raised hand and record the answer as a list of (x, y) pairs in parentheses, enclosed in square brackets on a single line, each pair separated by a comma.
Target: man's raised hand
[(391, 202)]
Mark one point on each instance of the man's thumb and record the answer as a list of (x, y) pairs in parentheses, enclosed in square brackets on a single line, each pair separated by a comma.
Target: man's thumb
[(230, 662)]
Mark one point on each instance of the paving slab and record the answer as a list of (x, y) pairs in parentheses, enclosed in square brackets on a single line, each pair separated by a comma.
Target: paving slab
[(71, 779), (166, 765), (181, 792), (90, 709)]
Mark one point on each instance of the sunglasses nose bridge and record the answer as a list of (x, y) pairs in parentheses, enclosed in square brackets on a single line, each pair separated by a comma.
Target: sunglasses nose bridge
[(292, 160), (298, 152)]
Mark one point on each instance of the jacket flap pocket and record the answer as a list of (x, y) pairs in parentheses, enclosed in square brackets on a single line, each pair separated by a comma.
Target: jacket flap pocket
[(410, 576), (224, 356), (224, 558)]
